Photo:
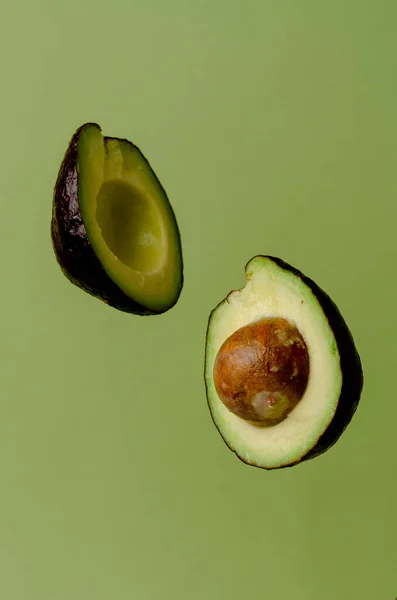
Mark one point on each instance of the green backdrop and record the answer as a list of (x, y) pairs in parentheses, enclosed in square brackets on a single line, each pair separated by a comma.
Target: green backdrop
[(273, 127)]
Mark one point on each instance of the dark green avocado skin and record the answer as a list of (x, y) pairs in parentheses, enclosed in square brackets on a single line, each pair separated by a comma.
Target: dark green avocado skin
[(351, 368), (72, 247)]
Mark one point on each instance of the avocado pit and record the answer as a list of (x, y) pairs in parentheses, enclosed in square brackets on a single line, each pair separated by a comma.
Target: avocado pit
[(261, 371)]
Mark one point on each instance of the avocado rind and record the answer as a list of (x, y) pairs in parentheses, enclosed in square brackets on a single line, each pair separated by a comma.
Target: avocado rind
[(72, 248), (350, 366)]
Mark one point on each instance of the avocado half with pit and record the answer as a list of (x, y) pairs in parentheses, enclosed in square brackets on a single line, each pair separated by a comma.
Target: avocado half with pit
[(282, 373), (113, 230)]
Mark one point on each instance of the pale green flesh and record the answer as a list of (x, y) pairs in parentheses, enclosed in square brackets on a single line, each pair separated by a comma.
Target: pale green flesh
[(128, 219), (273, 291)]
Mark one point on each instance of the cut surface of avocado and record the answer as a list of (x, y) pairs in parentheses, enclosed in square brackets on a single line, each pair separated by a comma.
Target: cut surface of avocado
[(128, 218), (275, 290), (113, 229)]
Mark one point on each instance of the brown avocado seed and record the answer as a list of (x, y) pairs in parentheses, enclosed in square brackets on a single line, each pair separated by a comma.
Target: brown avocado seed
[(261, 371)]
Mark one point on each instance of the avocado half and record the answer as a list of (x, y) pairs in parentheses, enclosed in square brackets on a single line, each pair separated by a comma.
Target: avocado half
[(276, 289), (113, 230)]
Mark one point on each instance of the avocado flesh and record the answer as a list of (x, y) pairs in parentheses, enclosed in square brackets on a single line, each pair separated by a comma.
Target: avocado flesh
[(276, 289), (113, 229)]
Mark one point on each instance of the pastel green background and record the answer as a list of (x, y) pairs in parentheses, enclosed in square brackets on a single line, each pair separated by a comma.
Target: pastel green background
[(273, 127)]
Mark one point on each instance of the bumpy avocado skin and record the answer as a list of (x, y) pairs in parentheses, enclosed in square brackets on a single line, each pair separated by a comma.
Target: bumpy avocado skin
[(351, 368), (72, 247)]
